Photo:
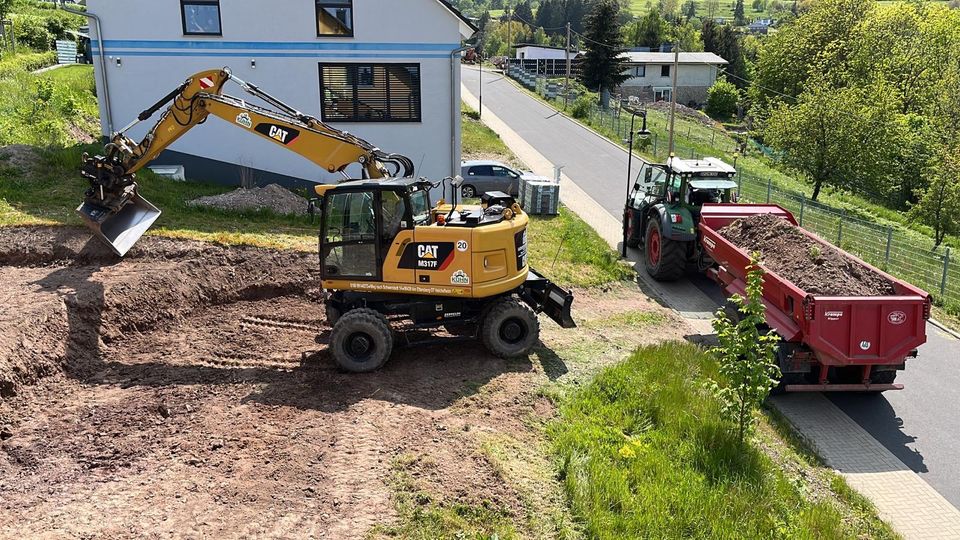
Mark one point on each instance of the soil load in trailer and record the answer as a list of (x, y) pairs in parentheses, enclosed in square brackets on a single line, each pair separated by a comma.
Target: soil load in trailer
[(845, 324)]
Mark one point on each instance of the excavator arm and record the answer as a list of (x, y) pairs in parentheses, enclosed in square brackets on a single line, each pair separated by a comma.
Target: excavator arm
[(114, 209)]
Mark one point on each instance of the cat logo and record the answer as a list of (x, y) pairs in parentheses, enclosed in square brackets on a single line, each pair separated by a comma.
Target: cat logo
[(427, 252), (281, 134)]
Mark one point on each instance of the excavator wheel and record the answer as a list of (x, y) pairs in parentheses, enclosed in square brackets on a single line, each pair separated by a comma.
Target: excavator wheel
[(665, 259), (333, 314), (361, 341), (509, 328)]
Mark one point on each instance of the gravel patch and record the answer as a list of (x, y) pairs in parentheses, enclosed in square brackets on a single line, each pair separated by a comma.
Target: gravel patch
[(272, 197)]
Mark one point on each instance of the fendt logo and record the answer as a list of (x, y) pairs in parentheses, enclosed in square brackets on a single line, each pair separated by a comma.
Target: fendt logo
[(897, 317), (281, 134)]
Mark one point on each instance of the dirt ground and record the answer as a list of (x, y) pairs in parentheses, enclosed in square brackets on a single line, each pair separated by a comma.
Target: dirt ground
[(186, 391), (814, 267)]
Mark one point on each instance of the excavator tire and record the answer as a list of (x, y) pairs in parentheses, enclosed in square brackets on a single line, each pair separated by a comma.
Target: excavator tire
[(509, 328), (333, 315), (361, 341), (664, 259)]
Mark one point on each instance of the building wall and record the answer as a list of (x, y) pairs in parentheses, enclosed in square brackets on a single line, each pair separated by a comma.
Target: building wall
[(687, 75), (540, 53), (685, 94), (146, 36)]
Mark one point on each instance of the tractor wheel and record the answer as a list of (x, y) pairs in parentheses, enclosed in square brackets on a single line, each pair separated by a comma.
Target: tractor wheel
[(333, 315), (633, 235), (510, 328), (361, 341), (665, 259), (468, 192)]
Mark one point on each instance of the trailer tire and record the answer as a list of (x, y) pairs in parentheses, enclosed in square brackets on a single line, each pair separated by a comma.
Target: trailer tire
[(509, 328), (883, 377), (664, 259), (361, 341)]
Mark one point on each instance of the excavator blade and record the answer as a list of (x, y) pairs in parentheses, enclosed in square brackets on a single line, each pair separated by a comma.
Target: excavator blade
[(123, 228)]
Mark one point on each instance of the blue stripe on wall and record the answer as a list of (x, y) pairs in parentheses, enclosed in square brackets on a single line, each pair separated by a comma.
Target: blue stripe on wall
[(257, 54), (278, 45)]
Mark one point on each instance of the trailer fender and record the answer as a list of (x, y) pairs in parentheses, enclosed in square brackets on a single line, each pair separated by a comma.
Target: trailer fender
[(678, 232)]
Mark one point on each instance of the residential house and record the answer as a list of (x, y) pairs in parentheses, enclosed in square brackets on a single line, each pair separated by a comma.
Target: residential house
[(651, 76), (385, 71)]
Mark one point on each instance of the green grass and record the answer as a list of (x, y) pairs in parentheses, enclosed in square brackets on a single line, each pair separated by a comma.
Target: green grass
[(422, 517), (55, 108), (644, 454)]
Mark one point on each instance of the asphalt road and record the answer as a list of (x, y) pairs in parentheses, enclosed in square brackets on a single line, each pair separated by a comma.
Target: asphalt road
[(920, 424)]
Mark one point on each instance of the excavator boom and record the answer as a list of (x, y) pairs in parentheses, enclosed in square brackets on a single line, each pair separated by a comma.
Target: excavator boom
[(113, 207)]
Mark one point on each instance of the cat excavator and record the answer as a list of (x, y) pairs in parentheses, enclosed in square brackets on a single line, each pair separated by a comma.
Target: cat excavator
[(388, 257)]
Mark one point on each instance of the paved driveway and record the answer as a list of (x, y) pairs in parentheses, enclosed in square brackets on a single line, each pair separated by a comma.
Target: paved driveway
[(920, 425)]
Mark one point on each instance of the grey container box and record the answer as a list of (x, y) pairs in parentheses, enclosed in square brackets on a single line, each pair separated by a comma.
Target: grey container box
[(539, 197)]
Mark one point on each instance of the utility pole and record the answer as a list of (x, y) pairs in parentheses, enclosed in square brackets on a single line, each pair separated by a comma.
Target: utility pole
[(673, 94), (566, 84), (509, 34)]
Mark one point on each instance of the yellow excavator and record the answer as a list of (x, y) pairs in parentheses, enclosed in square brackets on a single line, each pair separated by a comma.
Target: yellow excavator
[(387, 255)]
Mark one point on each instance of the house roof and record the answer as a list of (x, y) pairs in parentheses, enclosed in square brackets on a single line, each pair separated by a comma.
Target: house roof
[(525, 45), (667, 58), (467, 28)]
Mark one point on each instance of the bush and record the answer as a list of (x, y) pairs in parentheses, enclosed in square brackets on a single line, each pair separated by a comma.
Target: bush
[(32, 31), (722, 99), (581, 107), (23, 63)]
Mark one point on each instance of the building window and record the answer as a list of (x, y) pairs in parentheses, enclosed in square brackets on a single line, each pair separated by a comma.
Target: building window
[(664, 71), (201, 17), (334, 18), (370, 92), (640, 71)]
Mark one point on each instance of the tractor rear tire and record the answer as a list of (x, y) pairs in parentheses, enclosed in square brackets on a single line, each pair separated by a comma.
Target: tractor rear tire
[(509, 328), (664, 259), (883, 377), (361, 341), (633, 235)]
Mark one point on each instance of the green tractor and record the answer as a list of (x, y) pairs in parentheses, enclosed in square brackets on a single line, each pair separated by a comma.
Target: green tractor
[(663, 210)]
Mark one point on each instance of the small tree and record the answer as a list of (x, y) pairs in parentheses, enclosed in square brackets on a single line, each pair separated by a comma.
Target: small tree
[(746, 357), (939, 204), (722, 99), (738, 16), (602, 64)]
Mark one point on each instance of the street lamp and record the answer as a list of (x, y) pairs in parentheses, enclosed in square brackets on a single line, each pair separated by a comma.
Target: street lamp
[(643, 134)]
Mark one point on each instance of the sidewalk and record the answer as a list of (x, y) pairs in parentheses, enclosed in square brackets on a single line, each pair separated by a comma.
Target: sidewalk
[(902, 498)]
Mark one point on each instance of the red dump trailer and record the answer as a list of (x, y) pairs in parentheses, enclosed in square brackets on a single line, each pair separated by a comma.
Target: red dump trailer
[(855, 343)]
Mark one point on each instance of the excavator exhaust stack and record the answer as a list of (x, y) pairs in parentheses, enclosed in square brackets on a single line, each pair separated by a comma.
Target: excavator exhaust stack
[(112, 208)]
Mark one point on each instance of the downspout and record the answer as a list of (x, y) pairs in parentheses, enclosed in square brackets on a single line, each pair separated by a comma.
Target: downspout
[(103, 63), (454, 107)]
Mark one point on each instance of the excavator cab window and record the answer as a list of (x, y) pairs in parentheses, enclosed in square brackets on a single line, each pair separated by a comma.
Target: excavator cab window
[(420, 207), (348, 244)]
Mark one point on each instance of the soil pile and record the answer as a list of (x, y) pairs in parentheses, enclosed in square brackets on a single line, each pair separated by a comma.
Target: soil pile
[(66, 295), (273, 197), (19, 156), (814, 267), (684, 111)]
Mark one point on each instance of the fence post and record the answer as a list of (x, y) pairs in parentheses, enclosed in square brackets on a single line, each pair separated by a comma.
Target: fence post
[(769, 187), (803, 203), (654, 145), (840, 232), (943, 280), (886, 257), (691, 153)]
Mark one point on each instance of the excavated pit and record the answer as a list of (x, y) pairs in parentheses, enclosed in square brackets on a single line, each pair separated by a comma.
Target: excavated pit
[(67, 297), (814, 267)]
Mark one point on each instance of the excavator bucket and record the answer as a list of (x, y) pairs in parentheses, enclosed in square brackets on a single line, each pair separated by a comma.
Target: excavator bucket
[(120, 229)]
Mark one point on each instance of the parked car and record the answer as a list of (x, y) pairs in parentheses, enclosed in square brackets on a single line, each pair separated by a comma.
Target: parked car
[(480, 177)]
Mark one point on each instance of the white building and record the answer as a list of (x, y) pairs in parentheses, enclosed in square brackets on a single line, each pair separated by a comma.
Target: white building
[(542, 52), (383, 70), (651, 75)]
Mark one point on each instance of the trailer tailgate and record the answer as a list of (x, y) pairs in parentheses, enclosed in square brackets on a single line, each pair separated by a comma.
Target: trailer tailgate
[(865, 330)]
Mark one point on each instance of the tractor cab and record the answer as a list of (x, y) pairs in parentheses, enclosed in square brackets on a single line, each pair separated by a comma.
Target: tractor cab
[(664, 206)]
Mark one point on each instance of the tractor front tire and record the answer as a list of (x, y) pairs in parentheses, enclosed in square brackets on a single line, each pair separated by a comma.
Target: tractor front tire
[(510, 328), (361, 341), (633, 235), (664, 259)]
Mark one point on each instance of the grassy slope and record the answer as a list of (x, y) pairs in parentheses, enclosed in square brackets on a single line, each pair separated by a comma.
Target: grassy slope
[(644, 454)]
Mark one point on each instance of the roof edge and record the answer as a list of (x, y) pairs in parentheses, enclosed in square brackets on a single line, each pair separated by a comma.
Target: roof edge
[(463, 18)]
